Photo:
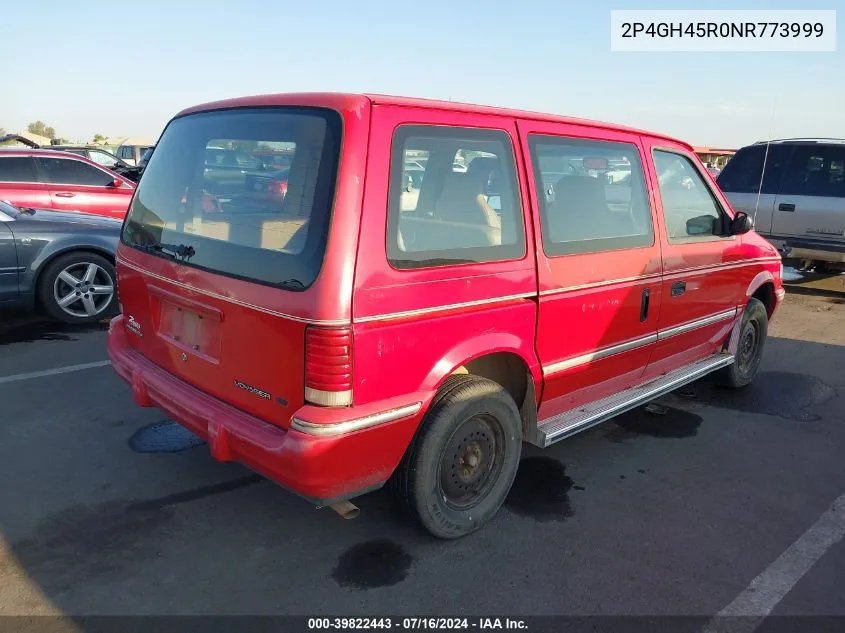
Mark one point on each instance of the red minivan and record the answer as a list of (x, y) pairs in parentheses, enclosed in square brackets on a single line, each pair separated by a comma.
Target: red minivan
[(539, 276)]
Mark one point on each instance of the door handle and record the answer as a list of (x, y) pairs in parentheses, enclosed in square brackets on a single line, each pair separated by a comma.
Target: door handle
[(679, 288), (783, 206), (65, 194), (644, 304)]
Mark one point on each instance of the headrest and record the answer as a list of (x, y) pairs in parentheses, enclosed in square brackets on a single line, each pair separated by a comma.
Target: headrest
[(483, 166), (459, 186), (580, 191)]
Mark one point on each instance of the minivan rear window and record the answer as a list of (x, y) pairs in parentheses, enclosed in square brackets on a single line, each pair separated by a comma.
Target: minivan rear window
[(209, 197)]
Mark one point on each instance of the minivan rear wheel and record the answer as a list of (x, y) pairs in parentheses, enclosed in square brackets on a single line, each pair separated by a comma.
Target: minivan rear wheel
[(462, 463), (752, 339)]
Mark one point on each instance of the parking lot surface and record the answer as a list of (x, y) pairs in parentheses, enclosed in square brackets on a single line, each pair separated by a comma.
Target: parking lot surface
[(670, 511)]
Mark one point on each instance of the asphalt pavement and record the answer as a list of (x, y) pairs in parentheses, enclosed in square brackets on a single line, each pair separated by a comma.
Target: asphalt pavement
[(674, 512)]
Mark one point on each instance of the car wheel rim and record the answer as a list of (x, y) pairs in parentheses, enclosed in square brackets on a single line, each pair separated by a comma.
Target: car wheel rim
[(748, 344), (83, 290), (471, 462)]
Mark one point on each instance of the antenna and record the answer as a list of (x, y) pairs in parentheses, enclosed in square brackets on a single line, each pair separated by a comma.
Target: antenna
[(765, 158)]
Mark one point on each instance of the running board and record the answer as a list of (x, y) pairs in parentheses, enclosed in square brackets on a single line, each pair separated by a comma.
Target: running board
[(570, 422)]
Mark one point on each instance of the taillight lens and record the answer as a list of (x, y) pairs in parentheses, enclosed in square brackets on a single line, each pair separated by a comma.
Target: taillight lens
[(281, 189), (328, 366)]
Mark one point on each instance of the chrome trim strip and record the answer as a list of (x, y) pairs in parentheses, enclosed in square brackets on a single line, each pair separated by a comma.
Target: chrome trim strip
[(627, 346), (693, 325), (451, 306), (604, 352), (358, 424), (668, 275), (722, 266), (599, 284), (243, 304)]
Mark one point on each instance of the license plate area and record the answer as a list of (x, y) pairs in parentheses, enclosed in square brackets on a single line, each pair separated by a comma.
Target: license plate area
[(189, 325)]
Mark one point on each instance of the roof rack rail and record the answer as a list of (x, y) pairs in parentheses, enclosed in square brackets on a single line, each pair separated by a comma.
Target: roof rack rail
[(808, 139)]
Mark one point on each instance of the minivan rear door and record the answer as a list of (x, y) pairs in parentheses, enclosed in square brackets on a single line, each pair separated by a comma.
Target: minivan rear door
[(216, 279), (811, 201)]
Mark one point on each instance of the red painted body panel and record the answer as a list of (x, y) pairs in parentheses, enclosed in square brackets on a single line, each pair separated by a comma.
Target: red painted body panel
[(412, 328), (418, 351), (26, 194)]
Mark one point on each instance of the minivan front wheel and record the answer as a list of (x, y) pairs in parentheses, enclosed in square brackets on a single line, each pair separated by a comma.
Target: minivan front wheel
[(463, 461), (752, 339)]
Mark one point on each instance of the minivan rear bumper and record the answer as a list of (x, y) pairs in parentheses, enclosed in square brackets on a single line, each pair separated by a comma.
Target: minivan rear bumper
[(323, 468)]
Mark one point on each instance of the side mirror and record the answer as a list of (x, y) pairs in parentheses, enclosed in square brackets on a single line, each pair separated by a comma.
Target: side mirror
[(742, 223), (702, 225), (117, 183)]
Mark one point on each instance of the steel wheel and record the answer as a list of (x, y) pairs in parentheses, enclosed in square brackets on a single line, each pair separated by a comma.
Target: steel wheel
[(749, 338), (749, 352), (83, 290), (471, 462)]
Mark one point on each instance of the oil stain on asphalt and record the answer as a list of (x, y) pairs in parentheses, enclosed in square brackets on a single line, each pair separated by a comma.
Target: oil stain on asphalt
[(90, 541), (669, 423), (102, 540), (787, 395), (165, 436), (372, 564), (541, 490)]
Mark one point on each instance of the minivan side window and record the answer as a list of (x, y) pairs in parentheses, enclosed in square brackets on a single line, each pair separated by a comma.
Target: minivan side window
[(743, 171), (17, 169), (66, 171), (816, 171), (592, 195), (689, 207), (453, 198)]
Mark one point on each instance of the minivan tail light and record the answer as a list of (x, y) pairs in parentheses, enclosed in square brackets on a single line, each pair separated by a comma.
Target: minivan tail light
[(328, 366)]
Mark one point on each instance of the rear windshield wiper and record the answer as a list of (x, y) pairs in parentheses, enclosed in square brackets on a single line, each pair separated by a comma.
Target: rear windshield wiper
[(173, 250)]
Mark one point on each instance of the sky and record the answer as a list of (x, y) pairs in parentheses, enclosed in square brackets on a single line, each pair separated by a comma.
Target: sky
[(125, 68)]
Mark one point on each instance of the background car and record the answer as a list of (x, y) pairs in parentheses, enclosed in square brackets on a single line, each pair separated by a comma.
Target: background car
[(48, 179), (274, 183), (95, 154), (798, 204), (63, 261), (131, 154)]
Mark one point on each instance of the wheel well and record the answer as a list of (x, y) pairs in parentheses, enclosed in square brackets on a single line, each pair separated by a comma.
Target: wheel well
[(67, 251), (505, 368), (766, 294)]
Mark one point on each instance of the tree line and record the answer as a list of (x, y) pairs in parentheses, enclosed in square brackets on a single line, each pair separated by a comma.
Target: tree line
[(42, 129)]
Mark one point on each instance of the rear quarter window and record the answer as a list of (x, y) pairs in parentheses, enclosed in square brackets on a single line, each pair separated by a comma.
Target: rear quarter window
[(453, 198), (17, 169)]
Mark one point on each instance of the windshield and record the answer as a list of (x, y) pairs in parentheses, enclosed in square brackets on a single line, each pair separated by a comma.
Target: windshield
[(207, 197)]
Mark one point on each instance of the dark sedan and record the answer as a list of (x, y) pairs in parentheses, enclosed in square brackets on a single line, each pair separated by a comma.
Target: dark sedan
[(62, 260)]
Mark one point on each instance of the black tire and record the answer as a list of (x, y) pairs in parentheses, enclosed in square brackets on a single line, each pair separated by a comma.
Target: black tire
[(752, 339), (472, 429), (823, 268), (76, 313)]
